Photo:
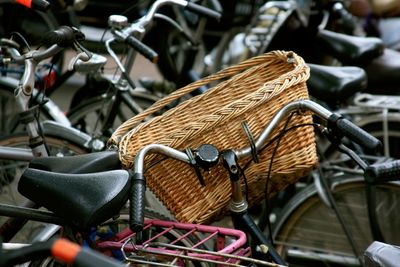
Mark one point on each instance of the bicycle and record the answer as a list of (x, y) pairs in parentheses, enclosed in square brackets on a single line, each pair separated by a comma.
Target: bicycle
[(52, 82), (86, 215), (89, 101), (59, 140)]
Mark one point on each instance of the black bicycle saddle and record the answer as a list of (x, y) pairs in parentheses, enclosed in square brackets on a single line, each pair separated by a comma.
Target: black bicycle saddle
[(83, 200), (335, 84), (350, 50)]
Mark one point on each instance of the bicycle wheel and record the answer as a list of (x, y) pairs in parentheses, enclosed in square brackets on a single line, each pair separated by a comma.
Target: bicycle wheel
[(90, 114), (10, 172), (308, 232)]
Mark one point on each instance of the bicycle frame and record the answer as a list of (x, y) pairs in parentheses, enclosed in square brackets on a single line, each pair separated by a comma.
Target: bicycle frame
[(50, 108), (53, 129)]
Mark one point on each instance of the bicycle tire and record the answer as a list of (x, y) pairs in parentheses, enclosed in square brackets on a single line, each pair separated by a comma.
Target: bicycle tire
[(11, 170), (172, 48), (307, 231), (88, 115)]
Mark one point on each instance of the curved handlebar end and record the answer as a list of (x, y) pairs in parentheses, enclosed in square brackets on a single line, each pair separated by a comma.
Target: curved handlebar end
[(143, 49), (137, 205)]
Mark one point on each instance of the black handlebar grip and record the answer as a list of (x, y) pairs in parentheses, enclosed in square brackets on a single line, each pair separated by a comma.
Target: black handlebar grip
[(356, 134), (143, 49), (137, 206), (39, 5), (383, 172), (203, 11), (64, 36)]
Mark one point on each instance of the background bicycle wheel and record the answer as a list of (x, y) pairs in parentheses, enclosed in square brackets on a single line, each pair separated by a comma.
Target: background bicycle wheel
[(309, 233)]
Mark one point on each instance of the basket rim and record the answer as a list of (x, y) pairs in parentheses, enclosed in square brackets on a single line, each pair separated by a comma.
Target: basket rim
[(245, 67)]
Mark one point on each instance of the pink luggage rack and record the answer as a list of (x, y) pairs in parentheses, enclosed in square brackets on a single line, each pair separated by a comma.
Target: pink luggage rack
[(168, 243)]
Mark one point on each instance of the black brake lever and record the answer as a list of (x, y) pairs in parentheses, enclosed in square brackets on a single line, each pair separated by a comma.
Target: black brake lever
[(353, 155)]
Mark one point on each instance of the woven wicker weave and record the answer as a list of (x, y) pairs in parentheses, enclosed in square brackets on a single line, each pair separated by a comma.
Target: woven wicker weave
[(252, 91)]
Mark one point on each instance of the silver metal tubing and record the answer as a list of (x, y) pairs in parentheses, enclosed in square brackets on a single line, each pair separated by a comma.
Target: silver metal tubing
[(15, 153), (42, 55), (160, 149), (67, 133), (286, 110)]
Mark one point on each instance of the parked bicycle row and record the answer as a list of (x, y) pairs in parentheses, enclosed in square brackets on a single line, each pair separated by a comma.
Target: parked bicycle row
[(292, 181)]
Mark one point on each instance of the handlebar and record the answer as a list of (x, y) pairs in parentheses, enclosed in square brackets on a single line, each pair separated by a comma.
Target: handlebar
[(341, 126), (200, 10), (60, 249), (132, 34), (57, 40), (64, 36)]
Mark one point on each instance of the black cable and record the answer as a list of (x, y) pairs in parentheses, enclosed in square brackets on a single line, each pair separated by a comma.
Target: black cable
[(126, 11), (41, 102), (278, 139), (267, 204), (152, 164), (277, 136), (246, 185)]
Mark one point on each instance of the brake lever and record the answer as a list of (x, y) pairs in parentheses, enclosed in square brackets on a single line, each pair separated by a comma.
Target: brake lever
[(336, 141), (83, 55), (353, 155)]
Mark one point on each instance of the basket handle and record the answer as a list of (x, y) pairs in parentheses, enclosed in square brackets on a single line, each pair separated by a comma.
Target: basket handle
[(227, 72)]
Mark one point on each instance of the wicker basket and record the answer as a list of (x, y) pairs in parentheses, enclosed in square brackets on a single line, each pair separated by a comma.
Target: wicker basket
[(252, 91)]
